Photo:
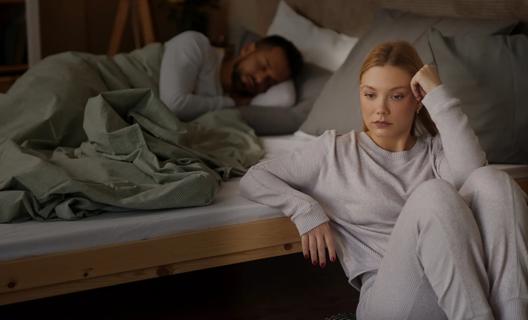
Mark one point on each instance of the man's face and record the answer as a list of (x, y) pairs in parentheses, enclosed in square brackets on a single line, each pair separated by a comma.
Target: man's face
[(256, 70)]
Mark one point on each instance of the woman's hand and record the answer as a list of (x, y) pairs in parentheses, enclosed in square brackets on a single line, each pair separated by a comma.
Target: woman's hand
[(425, 80), (314, 243)]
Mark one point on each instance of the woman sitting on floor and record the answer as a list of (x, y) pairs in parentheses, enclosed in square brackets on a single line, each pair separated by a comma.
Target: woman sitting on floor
[(422, 227)]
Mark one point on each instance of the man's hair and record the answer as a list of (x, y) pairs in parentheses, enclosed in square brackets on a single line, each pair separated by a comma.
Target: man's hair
[(294, 56)]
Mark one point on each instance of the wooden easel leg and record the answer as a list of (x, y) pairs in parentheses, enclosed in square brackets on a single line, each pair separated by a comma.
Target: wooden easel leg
[(145, 20), (141, 12), (119, 26), (135, 25)]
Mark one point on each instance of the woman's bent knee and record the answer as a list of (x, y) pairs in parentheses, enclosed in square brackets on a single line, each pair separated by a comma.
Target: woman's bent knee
[(487, 179), (434, 191), (435, 198)]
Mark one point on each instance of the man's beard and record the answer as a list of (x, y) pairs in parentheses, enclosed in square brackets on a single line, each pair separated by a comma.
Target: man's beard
[(237, 86)]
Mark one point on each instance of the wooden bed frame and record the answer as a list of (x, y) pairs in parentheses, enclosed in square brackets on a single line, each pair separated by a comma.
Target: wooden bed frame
[(60, 273), (65, 272)]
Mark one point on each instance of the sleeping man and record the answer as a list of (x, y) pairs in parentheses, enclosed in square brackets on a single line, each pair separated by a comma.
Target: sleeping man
[(196, 77)]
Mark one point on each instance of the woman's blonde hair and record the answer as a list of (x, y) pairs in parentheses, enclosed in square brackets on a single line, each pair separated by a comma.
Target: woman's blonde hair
[(399, 54)]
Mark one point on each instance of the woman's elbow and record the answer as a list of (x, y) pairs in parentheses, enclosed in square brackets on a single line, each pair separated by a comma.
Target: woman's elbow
[(249, 184), (246, 181)]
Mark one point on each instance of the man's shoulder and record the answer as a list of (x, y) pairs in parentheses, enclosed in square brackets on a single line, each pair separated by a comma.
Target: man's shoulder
[(188, 38)]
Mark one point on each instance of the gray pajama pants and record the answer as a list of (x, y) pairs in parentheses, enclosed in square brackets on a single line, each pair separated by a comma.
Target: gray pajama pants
[(454, 255)]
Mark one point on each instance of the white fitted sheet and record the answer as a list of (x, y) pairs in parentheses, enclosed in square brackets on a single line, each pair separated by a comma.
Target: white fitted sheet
[(34, 238)]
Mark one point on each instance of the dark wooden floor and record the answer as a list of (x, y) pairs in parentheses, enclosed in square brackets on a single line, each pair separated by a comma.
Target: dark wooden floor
[(279, 288)]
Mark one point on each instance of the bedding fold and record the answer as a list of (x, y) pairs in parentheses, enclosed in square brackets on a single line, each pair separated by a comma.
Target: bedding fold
[(83, 134)]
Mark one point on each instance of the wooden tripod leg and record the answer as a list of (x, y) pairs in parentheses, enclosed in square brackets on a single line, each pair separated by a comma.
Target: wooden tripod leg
[(135, 26), (119, 27), (145, 19)]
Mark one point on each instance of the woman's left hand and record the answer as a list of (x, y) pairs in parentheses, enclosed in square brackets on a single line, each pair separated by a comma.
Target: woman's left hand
[(425, 80), (316, 242)]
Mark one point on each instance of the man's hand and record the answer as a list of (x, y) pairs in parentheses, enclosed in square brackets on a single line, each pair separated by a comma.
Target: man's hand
[(314, 243), (425, 80)]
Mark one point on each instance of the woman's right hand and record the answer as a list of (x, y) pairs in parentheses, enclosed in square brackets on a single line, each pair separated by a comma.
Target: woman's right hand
[(315, 243), (425, 80)]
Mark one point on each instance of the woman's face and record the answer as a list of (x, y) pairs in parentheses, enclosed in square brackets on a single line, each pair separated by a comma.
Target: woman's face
[(388, 105)]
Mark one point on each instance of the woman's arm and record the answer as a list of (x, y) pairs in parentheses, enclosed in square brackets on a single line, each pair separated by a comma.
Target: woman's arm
[(280, 183), (462, 153)]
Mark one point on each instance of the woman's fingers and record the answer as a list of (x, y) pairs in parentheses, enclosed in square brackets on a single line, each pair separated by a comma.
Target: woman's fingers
[(321, 249), (316, 243), (309, 247), (305, 246), (313, 248), (415, 87), (425, 80), (420, 92), (329, 239)]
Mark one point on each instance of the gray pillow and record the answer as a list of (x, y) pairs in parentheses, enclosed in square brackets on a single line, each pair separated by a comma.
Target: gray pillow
[(280, 120), (490, 77), (338, 105)]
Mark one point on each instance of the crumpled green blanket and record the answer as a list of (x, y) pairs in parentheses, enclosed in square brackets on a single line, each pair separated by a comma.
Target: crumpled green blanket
[(82, 134)]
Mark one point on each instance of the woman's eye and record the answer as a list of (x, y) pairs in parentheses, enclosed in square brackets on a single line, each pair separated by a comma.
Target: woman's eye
[(398, 97), (368, 95)]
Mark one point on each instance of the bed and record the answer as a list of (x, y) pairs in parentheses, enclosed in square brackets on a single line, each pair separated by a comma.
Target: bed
[(45, 259)]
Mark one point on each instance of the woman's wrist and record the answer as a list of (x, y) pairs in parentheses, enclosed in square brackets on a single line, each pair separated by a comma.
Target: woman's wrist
[(431, 86), (436, 96)]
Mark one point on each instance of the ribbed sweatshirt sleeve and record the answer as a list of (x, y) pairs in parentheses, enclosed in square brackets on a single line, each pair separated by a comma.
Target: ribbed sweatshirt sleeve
[(280, 182), (182, 61), (462, 153)]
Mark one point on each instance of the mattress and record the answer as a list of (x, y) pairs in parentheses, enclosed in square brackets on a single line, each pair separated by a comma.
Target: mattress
[(34, 238)]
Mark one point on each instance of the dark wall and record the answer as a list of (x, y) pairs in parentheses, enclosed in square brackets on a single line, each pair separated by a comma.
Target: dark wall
[(86, 25)]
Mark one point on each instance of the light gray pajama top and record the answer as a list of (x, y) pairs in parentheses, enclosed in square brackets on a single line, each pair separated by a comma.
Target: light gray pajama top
[(190, 76), (361, 188)]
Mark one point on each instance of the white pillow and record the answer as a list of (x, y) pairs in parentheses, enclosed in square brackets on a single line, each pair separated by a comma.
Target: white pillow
[(280, 95), (323, 47)]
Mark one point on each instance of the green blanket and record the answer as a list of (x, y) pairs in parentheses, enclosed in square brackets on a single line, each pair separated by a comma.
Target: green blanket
[(82, 134)]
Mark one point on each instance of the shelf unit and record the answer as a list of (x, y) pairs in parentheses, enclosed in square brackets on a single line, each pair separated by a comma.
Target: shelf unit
[(19, 39)]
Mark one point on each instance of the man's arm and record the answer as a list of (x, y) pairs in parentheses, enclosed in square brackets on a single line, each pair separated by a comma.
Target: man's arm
[(182, 61)]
